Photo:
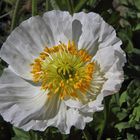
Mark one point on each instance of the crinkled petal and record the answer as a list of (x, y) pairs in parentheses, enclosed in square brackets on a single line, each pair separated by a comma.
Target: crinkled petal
[(96, 33), (64, 120), (93, 106), (60, 24), (105, 58), (76, 30), (115, 75), (107, 35), (21, 103), (26, 42), (111, 60), (88, 39), (68, 117), (73, 103)]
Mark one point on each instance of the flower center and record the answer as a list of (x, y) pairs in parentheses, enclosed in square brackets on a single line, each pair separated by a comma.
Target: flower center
[(67, 71)]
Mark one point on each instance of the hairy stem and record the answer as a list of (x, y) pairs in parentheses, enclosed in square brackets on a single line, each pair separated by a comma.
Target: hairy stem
[(15, 15), (34, 7), (106, 112), (80, 5), (47, 5), (70, 7), (85, 136)]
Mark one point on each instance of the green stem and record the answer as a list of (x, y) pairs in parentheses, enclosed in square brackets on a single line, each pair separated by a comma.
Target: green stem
[(47, 5), (34, 7), (34, 135), (80, 5), (86, 138), (70, 7), (106, 111), (4, 15), (15, 15)]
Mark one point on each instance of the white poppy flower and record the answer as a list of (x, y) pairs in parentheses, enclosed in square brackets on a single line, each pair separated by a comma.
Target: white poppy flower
[(60, 69)]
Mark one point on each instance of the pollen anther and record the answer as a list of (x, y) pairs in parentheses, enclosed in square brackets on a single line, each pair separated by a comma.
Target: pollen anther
[(64, 70)]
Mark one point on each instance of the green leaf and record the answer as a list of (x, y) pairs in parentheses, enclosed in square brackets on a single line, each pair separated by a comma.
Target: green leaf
[(35, 135), (86, 135), (137, 27), (137, 126), (123, 98), (92, 2), (126, 36), (122, 125), (130, 136), (98, 121), (134, 57), (123, 2), (20, 134), (137, 4), (12, 2), (135, 114), (54, 4), (116, 109), (122, 115)]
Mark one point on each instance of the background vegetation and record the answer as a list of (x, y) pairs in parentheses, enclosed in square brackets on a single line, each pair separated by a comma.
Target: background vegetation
[(120, 120)]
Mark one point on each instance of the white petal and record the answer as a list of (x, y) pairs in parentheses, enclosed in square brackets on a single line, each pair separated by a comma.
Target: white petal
[(15, 94), (96, 33), (68, 117), (114, 75), (65, 119), (74, 118), (73, 103), (107, 36), (90, 31), (105, 58), (76, 30), (25, 43), (94, 106), (22, 103), (60, 24)]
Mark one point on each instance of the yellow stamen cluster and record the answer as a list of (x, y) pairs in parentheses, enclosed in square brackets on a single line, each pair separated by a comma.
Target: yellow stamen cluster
[(84, 83), (64, 70)]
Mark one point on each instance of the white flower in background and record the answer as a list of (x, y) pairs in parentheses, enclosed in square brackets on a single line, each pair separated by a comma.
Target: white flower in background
[(60, 69)]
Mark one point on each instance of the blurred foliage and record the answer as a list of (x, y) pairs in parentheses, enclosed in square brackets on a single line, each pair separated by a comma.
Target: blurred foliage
[(120, 119)]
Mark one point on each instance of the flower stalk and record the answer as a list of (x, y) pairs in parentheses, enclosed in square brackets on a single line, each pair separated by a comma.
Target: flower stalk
[(15, 15), (106, 112), (70, 7), (47, 5), (34, 7), (85, 136), (80, 5)]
